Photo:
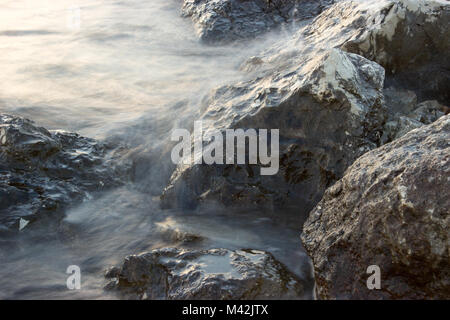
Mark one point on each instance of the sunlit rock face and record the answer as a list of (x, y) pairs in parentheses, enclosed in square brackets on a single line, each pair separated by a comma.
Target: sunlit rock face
[(215, 274), (410, 39), (42, 172), (221, 21), (390, 209), (326, 90), (329, 110)]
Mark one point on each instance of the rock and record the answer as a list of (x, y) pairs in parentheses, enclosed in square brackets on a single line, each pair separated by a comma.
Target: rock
[(391, 210), (42, 171), (404, 114), (330, 111), (409, 38), (177, 236), (399, 101), (328, 102), (251, 64), (220, 21), (399, 127), (429, 111), (208, 274)]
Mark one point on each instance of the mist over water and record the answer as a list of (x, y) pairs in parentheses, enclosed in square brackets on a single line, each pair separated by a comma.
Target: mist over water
[(131, 73)]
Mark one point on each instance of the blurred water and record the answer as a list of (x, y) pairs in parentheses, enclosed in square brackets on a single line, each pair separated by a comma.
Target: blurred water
[(132, 70), (127, 58)]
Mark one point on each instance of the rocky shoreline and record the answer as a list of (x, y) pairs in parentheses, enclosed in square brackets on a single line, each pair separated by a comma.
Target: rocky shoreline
[(357, 77), (334, 105), (360, 94), (391, 210), (43, 172)]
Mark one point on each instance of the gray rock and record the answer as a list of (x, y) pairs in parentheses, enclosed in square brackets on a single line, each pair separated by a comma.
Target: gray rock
[(330, 111), (402, 126), (41, 171), (404, 114), (409, 38), (219, 21), (208, 274), (399, 101), (390, 209), (329, 104), (429, 111)]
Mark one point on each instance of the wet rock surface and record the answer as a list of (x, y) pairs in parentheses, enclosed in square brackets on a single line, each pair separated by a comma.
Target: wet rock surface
[(326, 90), (390, 209), (410, 39), (330, 112), (204, 274), (42, 172), (360, 75), (220, 21)]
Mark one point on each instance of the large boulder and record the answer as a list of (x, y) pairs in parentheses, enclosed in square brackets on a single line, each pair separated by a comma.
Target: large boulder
[(219, 21), (42, 172), (215, 274), (326, 95), (410, 39), (391, 209), (329, 112)]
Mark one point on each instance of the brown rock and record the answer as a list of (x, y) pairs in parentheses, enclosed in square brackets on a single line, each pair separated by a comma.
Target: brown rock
[(390, 209)]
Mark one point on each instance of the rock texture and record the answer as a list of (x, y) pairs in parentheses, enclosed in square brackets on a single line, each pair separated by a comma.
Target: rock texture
[(219, 21), (42, 171), (330, 111), (405, 114), (325, 90), (209, 274), (390, 209), (409, 38)]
